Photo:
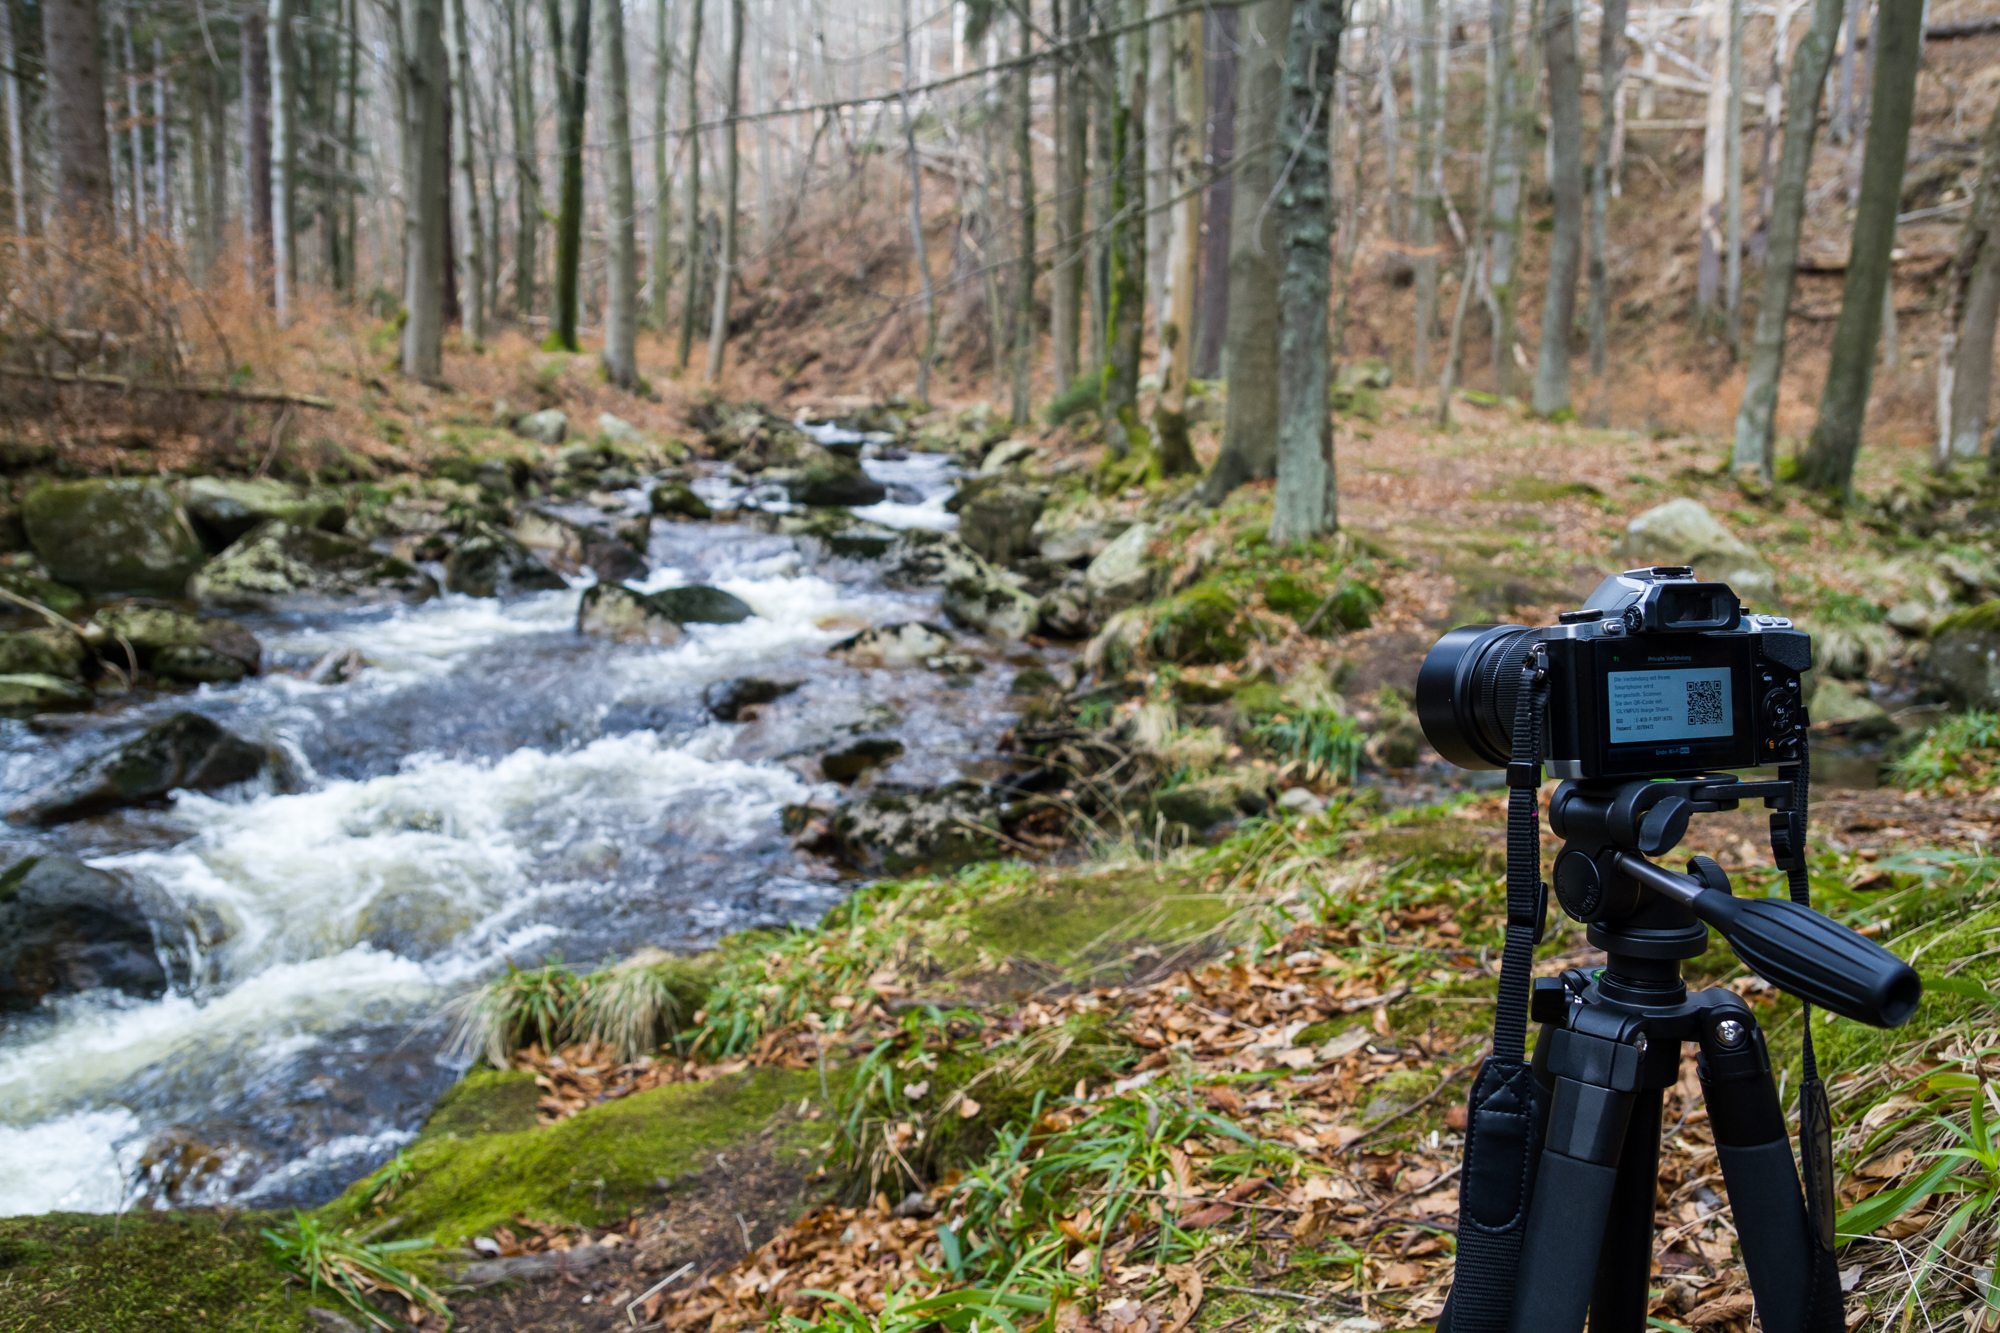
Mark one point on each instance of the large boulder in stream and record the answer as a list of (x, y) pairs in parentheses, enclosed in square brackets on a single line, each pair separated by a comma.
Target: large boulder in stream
[(224, 508), (109, 537), (910, 643), (570, 547), (185, 752), (32, 692), (1683, 532), (282, 567), (614, 611), (977, 594), (997, 515), (66, 927), (45, 652), (490, 563), (728, 700), (174, 645)]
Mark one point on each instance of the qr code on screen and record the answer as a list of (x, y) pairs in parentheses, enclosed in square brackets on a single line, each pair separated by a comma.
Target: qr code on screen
[(1704, 703)]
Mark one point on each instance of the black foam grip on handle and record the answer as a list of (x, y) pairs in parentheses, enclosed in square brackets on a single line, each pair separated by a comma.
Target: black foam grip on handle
[(1819, 960)]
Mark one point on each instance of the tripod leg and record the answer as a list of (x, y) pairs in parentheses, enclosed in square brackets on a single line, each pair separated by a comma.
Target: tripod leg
[(1795, 1283), (1625, 1266), (1572, 1205)]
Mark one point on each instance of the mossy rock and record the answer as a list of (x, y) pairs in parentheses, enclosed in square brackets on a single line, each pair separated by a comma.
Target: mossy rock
[(614, 611), (280, 566), (1201, 626), (113, 536), (43, 652), (588, 1170), (1981, 619), (486, 1101), (676, 499), (33, 692), (182, 1272), (64, 601), (174, 645), (224, 508)]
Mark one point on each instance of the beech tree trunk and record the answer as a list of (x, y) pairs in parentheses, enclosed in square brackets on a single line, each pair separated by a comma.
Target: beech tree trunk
[(1566, 183), (282, 158), (621, 296), (1714, 163), (1212, 320), (1976, 303), (1157, 135), (732, 158), (17, 144), (572, 97), (1610, 73), (691, 249), (1125, 320), (527, 162), (1828, 463), (1513, 112), (257, 126), (1304, 503), (473, 259), (1732, 186), (1424, 197), (1066, 274), (72, 57), (1250, 423), (660, 268), (1756, 418), (1170, 422), (427, 165), (919, 252), (1026, 267)]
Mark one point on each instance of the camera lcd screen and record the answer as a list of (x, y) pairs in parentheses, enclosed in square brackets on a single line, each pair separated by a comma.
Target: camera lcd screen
[(1649, 706)]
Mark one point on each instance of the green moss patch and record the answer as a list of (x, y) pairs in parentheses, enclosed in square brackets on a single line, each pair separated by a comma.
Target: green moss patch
[(1082, 920), (145, 1273), (587, 1170), (487, 1101)]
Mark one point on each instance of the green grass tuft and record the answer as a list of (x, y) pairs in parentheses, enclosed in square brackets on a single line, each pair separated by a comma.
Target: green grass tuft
[(1961, 745)]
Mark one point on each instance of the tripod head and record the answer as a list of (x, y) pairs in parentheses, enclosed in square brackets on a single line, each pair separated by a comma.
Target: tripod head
[(1647, 918)]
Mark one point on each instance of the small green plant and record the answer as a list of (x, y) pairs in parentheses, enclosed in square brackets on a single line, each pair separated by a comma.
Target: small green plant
[(1962, 746), (964, 1310), (313, 1250), (390, 1180), (1083, 394), (527, 1005), (1321, 738), (626, 1008)]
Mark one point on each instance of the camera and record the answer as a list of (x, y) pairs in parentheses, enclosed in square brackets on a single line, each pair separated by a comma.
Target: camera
[(1658, 674)]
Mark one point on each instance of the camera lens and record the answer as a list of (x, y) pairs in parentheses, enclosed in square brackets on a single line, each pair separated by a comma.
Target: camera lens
[(1467, 691)]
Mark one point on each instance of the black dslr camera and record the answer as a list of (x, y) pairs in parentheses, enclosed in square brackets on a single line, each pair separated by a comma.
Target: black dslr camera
[(1658, 675)]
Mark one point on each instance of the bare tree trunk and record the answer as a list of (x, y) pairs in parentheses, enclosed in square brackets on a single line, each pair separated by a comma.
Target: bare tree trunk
[(1610, 73), (1732, 166), (1863, 95), (473, 259), (760, 102), (350, 274), (527, 162), (162, 199), (1158, 129), (1714, 164), (1072, 167), (1828, 463), (1024, 292), (1513, 115), (1212, 322), (621, 298), (1424, 198), (732, 158), (660, 269), (1126, 321), (1305, 502), (1566, 182), (427, 168), (135, 141), (928, 351), (74, 62), (257, 119), (17, 143), (1756, 417), (1467, 280), (282, 158), (1250, 424), (691, 255), (1170, 422), (1966, 360), (1842, 127), (1392, 131)]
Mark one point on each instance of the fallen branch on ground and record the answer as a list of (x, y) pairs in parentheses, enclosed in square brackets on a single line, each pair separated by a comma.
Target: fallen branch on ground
[(223, 391)]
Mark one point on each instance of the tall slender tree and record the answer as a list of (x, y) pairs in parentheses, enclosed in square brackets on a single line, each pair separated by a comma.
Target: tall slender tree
[(621, 298), (73, 59), (1756, 418), (472, 257), (17, 141), (527, 161), (725, 268), (1304, 503), (1610, 72), (1559, 36), (1424, 195), (1126, 315), (691, 256), (1970, 316), (1828, 462), (1213, 304), (1250, 424), (572, 97), (1170, 421), (283, 157), (1026, 266), (257, 134), (1066, 273), (660, 268), (1512, 112), (427, 166), (927, 351)]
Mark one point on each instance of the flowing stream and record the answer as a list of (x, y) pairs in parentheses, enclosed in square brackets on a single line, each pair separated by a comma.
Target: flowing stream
[(493, 787)]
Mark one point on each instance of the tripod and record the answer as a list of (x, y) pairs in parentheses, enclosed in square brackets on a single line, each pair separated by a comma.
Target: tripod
[(1610, 1046)]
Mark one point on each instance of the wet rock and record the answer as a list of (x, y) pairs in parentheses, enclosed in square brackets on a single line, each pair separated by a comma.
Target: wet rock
[(1066, 611), (1206, 802), (1008, 454), (676, 499), (1068, 539), (895, 832), (620, 431), (548, 427), (833, 479), (976, 594), (1913, 618), (107, 537), (849, 763), (488, 562), (175, 645), (1302, 801), (1683, 532), (570, 547), (614, 611), (726, 699), (751, 436), (62, 600), (1964, 661), (1119, 575), (224, 508), (282, 567), (42, 652), (68, 927), (996, 517), (33, 692), (1848, 711), (839, 531), (186, 751), (903, 645), (1399, 744)]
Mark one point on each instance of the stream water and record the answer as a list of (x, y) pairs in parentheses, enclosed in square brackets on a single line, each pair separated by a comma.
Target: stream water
[(493, 787)]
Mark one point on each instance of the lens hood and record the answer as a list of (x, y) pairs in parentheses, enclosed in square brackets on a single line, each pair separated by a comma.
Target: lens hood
[(1465, 700)]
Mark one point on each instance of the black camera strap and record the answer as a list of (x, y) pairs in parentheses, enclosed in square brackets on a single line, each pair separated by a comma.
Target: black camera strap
[(1506, 1109), (1788, 848)]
